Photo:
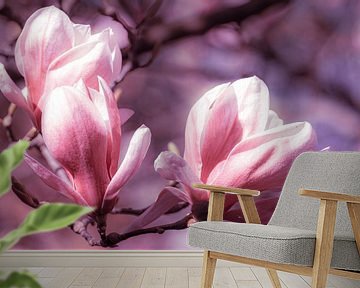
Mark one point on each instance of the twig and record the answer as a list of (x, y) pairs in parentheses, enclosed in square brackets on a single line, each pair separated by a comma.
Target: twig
[(114, 238), (129, 211), (7, 122), (100, 220), (199, 24), (137, 212), (80, 227)]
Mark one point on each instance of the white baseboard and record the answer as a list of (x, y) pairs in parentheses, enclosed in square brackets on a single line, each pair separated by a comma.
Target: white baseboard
[(90, 258)]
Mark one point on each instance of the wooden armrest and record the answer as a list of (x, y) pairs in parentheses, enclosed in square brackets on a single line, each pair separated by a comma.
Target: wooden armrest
[(330, 196), (230, 190)]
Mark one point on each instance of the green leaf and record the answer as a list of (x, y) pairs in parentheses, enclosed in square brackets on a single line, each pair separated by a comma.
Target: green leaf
[(19, 280), (9, 159), (48, 217)]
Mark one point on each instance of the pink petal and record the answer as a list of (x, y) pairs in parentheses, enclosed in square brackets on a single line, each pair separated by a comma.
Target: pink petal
[(273, 120), (253, 104), (135, 155), (222, 131), (195, 125), (82, 33), (46, 34), (86, 62), (75, 134), (172, 167), (107, 106), (125, 115), (10, 90), (262, 162), (54, 181), (167, 199)]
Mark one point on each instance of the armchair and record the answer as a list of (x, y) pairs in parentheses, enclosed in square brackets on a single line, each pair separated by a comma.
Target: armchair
[(303, 236)]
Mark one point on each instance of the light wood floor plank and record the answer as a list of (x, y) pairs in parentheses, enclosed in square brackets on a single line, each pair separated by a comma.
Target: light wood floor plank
[(263, 278), (34, 270), (340, 282), (108, 282), (171, 277), (87, 277), (240, 273), (177, 278), (45, 282), (112, 272), (248, 284), (224, 279), (154, 278), (308, 280), (50, 272), (65, 277), (132, 277), (293, 280)]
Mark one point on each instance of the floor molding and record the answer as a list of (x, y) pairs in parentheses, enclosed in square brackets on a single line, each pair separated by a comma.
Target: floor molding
[(90, 258)]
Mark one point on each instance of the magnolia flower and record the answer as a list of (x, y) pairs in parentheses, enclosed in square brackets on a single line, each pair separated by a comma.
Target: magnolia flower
[(233, 139), (51, 51), (81, 129)]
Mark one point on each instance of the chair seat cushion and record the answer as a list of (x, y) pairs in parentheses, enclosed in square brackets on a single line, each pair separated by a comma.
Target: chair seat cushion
[(270, 243)]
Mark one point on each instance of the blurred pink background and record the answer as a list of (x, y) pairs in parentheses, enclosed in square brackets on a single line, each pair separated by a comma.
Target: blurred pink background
[(307, 52)]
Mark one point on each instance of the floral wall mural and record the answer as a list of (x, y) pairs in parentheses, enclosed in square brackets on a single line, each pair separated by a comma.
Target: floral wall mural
[(128, 104)]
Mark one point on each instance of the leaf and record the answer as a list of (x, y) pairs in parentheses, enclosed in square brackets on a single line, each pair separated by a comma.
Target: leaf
[(19, 280), (9, 159), (48, 217)]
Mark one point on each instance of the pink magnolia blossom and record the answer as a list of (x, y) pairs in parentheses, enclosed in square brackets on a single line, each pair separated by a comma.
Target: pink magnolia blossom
[(232, 138), (81, 128), (51, 51)]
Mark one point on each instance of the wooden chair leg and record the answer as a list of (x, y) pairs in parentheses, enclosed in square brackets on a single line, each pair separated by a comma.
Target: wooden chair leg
[(208, 270), (324, 243), (274, 278)]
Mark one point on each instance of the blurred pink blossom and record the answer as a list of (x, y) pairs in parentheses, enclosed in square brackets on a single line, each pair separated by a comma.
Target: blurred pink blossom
[(101, 23), (51, 51), (232, 138), (81, 128)]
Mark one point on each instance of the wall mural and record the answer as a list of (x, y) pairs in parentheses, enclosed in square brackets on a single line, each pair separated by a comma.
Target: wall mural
[(128, 104)]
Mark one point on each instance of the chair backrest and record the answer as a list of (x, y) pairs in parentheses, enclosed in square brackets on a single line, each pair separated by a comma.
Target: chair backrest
[(326, 171)]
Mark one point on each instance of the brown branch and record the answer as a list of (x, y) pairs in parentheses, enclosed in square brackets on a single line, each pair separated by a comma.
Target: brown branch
[(100, 220), (161, 33), (114, 238), (80, 227), (137, 212)]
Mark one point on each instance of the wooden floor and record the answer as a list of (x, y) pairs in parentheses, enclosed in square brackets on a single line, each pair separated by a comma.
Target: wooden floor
[(153, 277)]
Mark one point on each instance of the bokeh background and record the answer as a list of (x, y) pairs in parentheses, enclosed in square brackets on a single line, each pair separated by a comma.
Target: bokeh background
[(307, 52)]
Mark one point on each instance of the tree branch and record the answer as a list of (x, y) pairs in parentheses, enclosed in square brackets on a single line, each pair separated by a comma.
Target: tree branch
[(114, 238), (161, 33), (6, 122), (80, 227), (137, 212)]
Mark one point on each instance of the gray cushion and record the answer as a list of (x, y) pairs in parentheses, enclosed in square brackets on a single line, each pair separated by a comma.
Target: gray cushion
[(271, 243)]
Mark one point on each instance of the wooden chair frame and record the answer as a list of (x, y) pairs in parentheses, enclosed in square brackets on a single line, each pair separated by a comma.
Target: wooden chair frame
[(324, 235)]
